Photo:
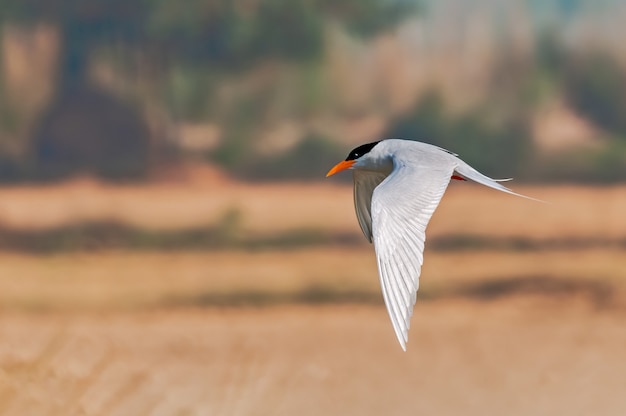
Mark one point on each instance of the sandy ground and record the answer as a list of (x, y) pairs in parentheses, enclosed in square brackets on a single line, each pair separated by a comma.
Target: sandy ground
[(131, 280), (573, 211), (515, 356), (495, 332)]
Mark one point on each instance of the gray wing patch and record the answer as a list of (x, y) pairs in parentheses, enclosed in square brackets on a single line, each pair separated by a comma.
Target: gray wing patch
[(364, 184)]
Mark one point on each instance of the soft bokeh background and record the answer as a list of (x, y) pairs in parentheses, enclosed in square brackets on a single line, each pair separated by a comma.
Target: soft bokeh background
[(169, 244)]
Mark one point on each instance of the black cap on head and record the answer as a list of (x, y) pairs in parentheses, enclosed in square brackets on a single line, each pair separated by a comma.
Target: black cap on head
[(361, 150)]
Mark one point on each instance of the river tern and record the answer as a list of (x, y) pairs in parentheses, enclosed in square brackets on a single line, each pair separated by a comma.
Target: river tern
[(398, 184)]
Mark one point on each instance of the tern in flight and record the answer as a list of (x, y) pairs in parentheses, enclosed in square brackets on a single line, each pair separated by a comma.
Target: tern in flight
[(397, 186)]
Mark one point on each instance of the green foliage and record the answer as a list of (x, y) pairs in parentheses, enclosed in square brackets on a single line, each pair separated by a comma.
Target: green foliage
[(228, 33), (236, 149), (596, 87), (551, 55), (610, 162), (602, 165), (368, 17), (581, 166), (593, 83), (195, 44), (233, 34), (188, 92), (118, 138), (188, 42)]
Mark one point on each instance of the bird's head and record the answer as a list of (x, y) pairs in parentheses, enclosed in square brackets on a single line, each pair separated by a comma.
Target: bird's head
[(358, 157)]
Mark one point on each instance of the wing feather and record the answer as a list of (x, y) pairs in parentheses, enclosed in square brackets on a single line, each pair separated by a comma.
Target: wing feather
[(394, 208), (401, 207), (364, 184)]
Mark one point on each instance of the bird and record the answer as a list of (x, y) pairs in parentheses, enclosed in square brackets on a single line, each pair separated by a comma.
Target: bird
[(398, 184)]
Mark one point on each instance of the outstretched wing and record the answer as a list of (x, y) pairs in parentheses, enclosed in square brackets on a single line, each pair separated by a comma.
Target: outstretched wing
[(402, 205), (364, 184)]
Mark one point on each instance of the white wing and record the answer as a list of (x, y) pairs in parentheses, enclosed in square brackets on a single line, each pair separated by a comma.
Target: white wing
[(401, 208), (364, 184)]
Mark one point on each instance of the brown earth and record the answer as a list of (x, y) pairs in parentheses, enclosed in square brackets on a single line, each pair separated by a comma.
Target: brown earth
[(303, 331), (120, 333), (516, 356)]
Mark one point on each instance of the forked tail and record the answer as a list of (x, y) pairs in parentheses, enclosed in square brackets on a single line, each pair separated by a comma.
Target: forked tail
[(468, 172)]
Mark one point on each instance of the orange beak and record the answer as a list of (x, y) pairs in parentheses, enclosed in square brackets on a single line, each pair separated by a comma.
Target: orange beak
[(346, 164)]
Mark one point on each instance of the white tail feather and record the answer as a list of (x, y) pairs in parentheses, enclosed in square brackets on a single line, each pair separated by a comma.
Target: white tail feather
[(469, 172)]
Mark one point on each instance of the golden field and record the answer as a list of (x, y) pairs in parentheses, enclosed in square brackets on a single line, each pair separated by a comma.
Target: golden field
[(284, 331), (203, 196)]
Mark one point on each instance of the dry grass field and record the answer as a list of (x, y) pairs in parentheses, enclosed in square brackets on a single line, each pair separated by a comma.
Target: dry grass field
[(203, 197), (283, 331)]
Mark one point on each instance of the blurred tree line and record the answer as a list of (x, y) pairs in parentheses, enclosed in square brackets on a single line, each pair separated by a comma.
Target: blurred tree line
[(182, 55), (592, 83), (187, 43)]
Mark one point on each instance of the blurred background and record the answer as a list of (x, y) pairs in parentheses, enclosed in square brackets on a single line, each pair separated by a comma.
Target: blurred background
[(169, 244)]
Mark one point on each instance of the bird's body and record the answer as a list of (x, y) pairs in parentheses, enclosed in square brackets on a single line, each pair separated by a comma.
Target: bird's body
[(397, 186)]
